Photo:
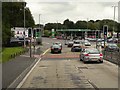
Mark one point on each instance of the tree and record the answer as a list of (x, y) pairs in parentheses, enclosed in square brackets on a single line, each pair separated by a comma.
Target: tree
[(13, 16), (69, 24), (81, 25)]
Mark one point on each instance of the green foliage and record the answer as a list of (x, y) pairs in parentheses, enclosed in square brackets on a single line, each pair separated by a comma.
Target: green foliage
[(13, 16), (7, 52), (91, 24), (47, 33)]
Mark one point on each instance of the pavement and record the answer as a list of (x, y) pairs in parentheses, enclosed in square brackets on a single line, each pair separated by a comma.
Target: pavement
[(16, 66)]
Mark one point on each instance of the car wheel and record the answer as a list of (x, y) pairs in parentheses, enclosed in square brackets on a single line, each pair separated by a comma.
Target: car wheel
[(80, 58), (59, 51), (72, 50), (84, 61), (101, 61), (51, 51)]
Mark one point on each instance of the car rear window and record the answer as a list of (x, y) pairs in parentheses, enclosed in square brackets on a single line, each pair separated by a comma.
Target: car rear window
[(93, 51), (56, 46)]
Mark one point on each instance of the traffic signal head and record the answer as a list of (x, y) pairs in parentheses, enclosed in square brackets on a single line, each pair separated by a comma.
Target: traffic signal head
[(34, 33), (29, 32), (105, 29)]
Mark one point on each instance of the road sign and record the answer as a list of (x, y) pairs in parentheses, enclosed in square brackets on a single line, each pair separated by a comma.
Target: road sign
[(53, 33)]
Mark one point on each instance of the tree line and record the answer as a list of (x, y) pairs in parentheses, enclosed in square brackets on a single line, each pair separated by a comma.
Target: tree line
[(13, 16), (91, 24)]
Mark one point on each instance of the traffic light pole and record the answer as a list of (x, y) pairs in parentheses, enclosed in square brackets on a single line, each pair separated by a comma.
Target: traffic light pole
[(30, 48)]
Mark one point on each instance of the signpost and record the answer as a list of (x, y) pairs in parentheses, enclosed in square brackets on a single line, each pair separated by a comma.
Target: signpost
[(53, 33)]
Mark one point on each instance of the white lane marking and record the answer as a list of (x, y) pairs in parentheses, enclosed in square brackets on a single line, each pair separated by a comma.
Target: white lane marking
[(46, 51), (24, 79)]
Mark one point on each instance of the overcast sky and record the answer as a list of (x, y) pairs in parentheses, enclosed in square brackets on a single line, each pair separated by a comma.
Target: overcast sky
[(57, 11)]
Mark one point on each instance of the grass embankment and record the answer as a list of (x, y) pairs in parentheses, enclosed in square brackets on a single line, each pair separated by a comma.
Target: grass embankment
[(11, 52)]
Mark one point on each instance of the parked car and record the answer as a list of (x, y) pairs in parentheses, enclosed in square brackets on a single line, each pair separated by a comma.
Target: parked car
[(70, 43), (76, 48), (56, 48), (112, 47), (91, 54)]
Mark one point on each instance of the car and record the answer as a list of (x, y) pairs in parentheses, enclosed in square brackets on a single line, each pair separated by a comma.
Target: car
[(66, 42), (91, 54), (56, 48), (112, 47), (76, 48), (70, 43), (87, 43)]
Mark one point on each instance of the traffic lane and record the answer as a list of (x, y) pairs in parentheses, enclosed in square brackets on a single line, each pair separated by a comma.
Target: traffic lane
[(47, 43), (56, 74), (103, 75)]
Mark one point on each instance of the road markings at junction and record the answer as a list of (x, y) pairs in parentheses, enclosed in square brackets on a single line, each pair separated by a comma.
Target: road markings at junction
[(46, 51), (25, 78)]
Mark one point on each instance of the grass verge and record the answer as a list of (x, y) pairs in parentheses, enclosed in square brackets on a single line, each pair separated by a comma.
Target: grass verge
[(11, 52), (119, 45)]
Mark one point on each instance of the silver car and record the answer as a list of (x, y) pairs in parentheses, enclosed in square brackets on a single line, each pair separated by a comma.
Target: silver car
[(91, 54)]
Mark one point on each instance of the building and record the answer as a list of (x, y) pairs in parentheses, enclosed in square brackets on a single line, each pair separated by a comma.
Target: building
[(19, 32)]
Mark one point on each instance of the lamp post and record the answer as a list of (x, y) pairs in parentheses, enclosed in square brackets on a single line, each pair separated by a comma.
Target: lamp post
[(24, 27), (114, 18)]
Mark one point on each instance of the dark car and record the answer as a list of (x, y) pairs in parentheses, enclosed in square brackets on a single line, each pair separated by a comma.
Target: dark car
[(76, 48), (112, 47), (70, 44), (56, 48)]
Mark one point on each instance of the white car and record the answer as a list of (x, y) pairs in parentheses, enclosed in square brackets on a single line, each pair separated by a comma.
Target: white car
[(91, 54), (87, 43)]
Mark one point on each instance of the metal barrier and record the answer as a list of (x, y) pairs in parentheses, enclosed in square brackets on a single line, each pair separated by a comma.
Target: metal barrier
[(113, 56)]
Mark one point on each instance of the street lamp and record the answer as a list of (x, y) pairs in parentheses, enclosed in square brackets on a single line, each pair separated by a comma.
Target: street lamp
[(24, 27), (114, 17)]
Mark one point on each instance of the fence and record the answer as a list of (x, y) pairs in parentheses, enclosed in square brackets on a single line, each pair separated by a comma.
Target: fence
[(113, 56)]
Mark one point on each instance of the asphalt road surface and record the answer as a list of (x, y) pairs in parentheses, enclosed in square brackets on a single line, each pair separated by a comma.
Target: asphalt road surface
[(65, 70)]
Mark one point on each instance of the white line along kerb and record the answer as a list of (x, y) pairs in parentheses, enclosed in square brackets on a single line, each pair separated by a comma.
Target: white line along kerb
[(22, 82)]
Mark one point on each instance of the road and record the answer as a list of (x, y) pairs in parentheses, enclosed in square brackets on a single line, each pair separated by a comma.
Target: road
[(65, 70)]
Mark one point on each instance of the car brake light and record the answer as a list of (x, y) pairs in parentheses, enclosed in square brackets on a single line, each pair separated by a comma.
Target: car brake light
[(101, 54), (86, 54)]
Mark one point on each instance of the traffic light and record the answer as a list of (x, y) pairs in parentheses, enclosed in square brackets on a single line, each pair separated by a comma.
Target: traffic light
[(105, 29), (29, 32), (38, 33), (97, 34), (34, 33)]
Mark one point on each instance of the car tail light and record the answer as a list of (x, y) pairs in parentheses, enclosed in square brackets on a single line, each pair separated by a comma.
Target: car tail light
[(101, 55), (86, 54)]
